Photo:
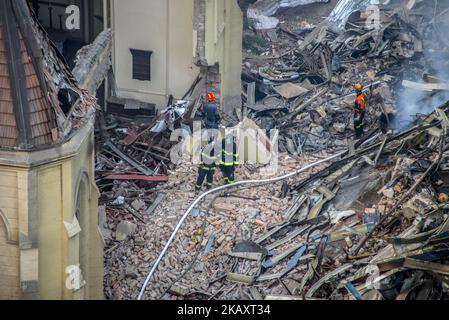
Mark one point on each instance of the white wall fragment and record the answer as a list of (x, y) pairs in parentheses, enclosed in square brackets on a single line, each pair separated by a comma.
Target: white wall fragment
[(263, 10)]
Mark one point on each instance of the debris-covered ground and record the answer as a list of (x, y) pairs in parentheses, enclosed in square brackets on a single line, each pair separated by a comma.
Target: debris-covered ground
[(370, 224)]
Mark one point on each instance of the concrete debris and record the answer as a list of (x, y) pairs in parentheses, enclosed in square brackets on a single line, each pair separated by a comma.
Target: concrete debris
[(290, 90), (313, 82), (262, 10), (138, 204), (124, 230), (131, 272), (371, 225), (389, 193), (93, 62)]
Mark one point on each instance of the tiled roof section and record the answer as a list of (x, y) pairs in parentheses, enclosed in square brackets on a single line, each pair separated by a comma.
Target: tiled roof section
[(32, 74), (38, 104), (8, 127)]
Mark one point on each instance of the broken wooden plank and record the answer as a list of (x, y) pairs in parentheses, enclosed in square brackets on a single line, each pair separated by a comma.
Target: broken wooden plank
[(255, 293), (134, 213), (326, 192), (269, 234), (256, 256), (274, 276), (346, 231), (240, 278), (380, 150), (326, 278), (326, 66), (443, 117), (271, 262), (159, 198), (132, 162), (327, 195), (196, 107), (426, 86), (251, 98), (130, 138), (426, 266), (289, 237), (301, 107)]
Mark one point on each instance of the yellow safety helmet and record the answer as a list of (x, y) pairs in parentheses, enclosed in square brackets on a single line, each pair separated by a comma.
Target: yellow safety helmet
[(358, 87)]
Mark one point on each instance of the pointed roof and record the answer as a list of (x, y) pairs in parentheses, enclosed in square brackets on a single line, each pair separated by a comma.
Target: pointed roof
[(33, 78)]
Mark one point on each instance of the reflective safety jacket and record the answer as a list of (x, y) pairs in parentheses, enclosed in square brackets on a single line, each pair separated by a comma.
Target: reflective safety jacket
[(229, 154), (209, 160), (360, 104)]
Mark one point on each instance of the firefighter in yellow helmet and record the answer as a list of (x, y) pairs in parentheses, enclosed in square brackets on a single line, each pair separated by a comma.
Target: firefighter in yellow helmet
[(359, 110)]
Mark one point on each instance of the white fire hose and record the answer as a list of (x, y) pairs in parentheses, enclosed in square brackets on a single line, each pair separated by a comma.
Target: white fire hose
[(164, 251)]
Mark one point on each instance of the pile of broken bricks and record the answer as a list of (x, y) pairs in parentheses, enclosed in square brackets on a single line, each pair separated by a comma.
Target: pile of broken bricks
[(355, 229), (340, 234), (371, 225)]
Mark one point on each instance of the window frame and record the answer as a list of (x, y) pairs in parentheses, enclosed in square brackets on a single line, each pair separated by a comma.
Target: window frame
[(139, 64)]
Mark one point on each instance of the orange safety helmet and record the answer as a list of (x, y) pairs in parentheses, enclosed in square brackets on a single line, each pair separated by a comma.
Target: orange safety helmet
[(211, 97), (358, 87)]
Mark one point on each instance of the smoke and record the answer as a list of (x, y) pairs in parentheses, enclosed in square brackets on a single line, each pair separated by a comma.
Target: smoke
[(411, 102)]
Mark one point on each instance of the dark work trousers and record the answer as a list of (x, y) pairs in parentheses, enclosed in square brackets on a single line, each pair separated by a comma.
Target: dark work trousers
[(204, 172), (229, 174), (358, 125)]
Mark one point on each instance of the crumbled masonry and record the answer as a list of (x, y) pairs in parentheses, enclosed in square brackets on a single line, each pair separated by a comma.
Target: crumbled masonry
[(373, 224)]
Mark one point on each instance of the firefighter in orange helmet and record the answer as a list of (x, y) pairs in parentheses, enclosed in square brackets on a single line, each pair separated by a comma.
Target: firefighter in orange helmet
[(359, 110), (211, 113), (211, 97)]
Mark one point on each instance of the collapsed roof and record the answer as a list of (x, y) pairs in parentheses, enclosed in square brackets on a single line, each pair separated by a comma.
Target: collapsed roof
[(40, 101)]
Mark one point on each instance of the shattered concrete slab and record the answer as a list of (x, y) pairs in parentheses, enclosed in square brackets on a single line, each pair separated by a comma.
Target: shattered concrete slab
[(263, 10), (93, 62)]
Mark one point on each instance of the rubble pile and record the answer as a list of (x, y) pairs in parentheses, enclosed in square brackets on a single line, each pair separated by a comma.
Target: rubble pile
[(305, 73), (371, 225), (256, 209), (137, 152)]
